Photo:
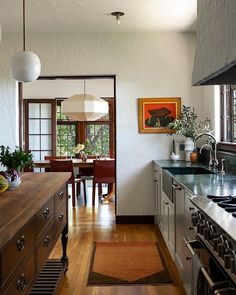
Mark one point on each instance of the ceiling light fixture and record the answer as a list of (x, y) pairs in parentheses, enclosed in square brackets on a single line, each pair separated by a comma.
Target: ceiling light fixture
[(25, 65), (117, 14), (84, 107)]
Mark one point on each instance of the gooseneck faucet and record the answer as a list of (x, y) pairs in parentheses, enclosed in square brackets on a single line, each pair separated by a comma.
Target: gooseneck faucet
[(214, 162)]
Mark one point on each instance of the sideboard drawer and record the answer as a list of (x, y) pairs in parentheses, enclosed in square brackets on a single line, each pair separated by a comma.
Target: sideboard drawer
[(24, 278), (60, 220), (44, 216), (15, 250), (45, 245), (60, 197)]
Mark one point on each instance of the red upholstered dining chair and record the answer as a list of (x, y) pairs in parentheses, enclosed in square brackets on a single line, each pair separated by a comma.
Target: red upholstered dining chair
[(103, 172), (59, 165)]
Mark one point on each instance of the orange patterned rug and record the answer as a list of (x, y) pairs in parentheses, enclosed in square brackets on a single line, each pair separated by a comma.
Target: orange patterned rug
[(127, 263)]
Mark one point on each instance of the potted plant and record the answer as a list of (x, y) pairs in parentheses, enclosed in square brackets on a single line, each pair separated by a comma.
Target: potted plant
[(14, 162), (187, 124)]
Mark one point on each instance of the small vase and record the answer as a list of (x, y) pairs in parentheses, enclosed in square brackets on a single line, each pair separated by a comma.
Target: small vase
[(189, 147), (194, 157)]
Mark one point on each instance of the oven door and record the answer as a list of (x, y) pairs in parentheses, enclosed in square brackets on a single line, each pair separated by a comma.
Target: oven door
[(207, 276)]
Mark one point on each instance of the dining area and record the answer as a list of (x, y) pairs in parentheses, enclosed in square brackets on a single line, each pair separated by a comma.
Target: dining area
[(98, 173)]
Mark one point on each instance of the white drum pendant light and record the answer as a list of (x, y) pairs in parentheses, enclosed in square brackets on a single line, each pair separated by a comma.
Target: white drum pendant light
[(84, 107), (25, 65)]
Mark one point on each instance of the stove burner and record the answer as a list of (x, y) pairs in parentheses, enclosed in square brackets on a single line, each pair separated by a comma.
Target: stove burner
[(226, 202)]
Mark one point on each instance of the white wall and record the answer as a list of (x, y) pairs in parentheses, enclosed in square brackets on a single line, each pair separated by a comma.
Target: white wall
[(146, 65)]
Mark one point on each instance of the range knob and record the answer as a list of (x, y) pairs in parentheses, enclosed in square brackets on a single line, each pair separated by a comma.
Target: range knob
[(233, 262), (216, 241), (207, 233), (221, 250), (227, 261)]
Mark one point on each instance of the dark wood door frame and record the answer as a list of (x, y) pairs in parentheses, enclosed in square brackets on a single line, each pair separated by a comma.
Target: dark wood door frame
[(73, 77)]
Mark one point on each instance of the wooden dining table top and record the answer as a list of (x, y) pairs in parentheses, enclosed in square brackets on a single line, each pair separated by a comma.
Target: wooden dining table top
[(76, 162)]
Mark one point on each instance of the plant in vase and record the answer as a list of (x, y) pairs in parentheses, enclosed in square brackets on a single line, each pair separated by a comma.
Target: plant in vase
[(188, 125), (15, 162)]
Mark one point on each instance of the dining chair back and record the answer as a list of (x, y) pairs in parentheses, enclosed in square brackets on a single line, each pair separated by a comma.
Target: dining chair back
[(52, 158), (64, 165), (103, 172)]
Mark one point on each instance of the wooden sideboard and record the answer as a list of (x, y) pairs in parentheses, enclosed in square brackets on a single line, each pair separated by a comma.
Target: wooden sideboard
[(32, 217)]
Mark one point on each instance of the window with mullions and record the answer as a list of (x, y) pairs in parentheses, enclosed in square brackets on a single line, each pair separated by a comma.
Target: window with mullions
[(99, 140), (228, 113), (66, 134)]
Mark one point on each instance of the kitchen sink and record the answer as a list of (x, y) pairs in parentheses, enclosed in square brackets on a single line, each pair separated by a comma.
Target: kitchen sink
[(189, 170)]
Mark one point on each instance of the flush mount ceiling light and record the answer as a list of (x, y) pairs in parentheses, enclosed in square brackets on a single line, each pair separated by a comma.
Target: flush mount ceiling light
[(84, 107), (25, 65), (117, 14)]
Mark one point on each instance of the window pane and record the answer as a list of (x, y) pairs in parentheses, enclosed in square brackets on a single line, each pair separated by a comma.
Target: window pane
[(98, 137), (46, 142), (36, 156), (46, 110), (34, 126), (66, 140), (34, 110), (46, 127), (34, 142)]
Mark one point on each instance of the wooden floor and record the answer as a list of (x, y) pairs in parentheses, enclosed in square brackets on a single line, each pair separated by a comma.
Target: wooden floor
[(86, 225)]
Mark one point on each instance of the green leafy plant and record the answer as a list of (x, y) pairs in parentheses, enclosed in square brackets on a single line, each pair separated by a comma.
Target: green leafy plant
[(187, 124), (18, 159)]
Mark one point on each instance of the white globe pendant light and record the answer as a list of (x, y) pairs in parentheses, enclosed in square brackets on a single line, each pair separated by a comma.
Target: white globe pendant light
[(25, 65)]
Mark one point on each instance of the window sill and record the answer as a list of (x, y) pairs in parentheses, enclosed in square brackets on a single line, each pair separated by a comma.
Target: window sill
[(227, 147)]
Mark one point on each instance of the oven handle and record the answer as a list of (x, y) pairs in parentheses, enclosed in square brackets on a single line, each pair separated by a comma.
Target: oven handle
[(202, 268)]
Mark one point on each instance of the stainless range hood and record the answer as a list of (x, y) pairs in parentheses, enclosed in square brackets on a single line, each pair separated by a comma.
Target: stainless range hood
[(215, 56)]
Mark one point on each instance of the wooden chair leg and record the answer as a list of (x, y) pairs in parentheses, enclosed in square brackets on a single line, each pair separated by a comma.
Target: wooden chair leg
[(78, 188), (73, 194), (85, 196), (94, 191), (99, 189)]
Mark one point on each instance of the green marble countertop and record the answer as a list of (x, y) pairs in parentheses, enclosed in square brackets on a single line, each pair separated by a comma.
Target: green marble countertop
[(202, 184)]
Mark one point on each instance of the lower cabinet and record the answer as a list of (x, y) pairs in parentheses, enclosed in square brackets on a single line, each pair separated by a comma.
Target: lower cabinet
[(168, 222), (157, 192)]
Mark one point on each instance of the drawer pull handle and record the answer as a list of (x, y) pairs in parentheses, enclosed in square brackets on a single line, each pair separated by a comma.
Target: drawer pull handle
[(20, 244), (190, 228), (188, 258), (47, 241), (61, 195), (176, 187), (191, 208), (46, 212), (21, 282), (61, 217)]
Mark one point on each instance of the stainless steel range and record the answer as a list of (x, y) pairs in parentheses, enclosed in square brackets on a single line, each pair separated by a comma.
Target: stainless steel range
[(214, 221)]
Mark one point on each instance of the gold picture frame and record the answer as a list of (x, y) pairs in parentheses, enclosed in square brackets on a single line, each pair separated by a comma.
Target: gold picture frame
[(154, 114)]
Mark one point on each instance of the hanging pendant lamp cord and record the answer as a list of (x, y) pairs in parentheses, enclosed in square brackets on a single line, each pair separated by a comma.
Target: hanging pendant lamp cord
[(23, 25)]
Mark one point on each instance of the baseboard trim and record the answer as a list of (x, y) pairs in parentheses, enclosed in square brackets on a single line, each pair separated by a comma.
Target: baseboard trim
[(134, 219)]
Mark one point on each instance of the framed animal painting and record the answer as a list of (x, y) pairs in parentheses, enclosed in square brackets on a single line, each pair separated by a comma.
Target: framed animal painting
[(154, 114)]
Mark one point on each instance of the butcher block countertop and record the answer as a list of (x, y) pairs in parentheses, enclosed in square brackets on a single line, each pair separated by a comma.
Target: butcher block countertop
[(19, 205)]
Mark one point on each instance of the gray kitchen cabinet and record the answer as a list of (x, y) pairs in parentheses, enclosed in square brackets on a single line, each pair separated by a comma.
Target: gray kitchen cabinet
[(157, 192), (168, 223)]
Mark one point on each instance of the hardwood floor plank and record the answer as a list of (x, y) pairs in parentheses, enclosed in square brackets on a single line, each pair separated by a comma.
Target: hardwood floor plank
[(86, 225)]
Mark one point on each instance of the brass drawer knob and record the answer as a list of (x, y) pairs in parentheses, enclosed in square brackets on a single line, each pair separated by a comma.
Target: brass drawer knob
[(46, 212), (20, 244), (47, 241), (61, 195), (61, 217), (21, 282)]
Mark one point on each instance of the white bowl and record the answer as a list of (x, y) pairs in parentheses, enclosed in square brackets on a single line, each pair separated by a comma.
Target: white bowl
[(174, 158), (14, 184)]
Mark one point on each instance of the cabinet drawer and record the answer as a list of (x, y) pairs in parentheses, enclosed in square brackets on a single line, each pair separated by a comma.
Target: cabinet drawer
[(45, 245), (188, 228), (189, 207), (60, 219), (60, 197), (15, 250), (44, 216), (24, 279)]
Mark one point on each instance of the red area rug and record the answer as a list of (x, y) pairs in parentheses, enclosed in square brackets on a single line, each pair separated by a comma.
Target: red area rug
[(127, 263)]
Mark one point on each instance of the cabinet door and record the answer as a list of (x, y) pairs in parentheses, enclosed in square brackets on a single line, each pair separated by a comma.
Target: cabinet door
[(171, 227), (157, 190), (164, 217), (179, 225)]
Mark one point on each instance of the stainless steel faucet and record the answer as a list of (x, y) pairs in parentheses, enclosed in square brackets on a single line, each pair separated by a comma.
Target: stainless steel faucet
[(214, 162), (211, 152)]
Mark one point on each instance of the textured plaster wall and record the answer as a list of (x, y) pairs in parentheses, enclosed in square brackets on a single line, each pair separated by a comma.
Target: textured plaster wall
[(146, 65)]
